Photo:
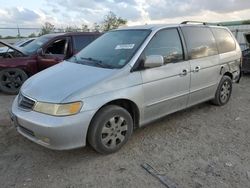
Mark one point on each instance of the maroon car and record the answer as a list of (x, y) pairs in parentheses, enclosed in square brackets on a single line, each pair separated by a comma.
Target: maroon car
[(17, 64)]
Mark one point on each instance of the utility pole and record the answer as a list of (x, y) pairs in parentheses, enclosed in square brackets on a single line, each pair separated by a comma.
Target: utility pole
[(18, 32)]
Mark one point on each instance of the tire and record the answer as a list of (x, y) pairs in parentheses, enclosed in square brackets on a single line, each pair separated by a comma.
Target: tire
[(110, 129), (11, 80), (223, 92)]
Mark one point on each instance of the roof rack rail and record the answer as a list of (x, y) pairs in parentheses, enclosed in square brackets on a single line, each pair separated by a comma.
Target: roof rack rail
[(203, 23), (186, 22)]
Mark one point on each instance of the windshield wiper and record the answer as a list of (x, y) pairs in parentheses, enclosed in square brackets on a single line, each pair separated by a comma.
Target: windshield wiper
[(97, 62)]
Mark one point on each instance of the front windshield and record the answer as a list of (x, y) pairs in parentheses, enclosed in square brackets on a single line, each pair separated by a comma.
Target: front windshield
[(113, 49), (32, 47)]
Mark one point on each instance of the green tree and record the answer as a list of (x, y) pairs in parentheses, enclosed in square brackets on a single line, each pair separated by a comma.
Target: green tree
[(10, 37), (32, 35), (246, 22), (96, 27), (47, 28), (1, 36), (85, 28), (71, 29), (111, 21)]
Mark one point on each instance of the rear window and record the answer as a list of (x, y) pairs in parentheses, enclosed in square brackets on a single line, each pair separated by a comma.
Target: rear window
[(224, 40), (82, 41), (200, 42)]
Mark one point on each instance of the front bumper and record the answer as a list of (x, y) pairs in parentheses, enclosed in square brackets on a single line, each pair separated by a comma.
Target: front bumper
[(59, 133)]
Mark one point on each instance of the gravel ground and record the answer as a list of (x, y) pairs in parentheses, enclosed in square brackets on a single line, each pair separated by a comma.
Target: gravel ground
[(203, 146)]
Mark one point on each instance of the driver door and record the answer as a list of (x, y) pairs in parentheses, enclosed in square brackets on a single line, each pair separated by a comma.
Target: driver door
[(55, 52), (166, 88)]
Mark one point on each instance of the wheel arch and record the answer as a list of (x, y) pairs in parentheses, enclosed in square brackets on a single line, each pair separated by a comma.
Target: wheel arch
[(127, 104), (228, 74)]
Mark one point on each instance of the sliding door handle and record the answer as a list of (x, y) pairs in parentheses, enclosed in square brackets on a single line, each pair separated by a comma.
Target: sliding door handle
[(184, 72), (197, 69)]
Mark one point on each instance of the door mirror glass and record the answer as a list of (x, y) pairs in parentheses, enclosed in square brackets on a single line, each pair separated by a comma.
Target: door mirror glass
[(153, 61), (40, 52)]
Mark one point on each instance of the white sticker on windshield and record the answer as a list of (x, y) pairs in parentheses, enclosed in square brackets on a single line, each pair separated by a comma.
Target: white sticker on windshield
[(124, 46)]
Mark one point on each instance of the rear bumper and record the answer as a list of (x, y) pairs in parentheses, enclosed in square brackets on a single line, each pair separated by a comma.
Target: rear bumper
[(237, 76), (59, 133)]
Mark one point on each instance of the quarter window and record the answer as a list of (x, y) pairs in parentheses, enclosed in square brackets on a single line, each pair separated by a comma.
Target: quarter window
[(166, 43), (200, 42), (224, 40)]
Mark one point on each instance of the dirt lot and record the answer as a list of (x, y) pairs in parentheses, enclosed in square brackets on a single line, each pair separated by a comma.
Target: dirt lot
[(205, 146)]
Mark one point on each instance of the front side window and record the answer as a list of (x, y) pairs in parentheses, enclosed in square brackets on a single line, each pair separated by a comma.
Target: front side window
[(113, 49), (166, 43), (57, 47), (200, 42), (224, 40)]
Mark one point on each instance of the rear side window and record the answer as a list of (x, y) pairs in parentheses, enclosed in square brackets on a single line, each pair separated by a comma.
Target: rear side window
[(224, 40), (166, 43), (200, 42), (82, 41)]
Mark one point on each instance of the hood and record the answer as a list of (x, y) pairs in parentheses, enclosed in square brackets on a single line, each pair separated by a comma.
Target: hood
[(12, 47), (62, 80)]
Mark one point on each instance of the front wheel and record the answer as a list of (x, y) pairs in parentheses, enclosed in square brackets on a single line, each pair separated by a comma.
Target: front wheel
[(11, 80), (223, 92), (110, 129)]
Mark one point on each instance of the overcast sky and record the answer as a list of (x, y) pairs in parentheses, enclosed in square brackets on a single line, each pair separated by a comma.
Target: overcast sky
[(62, 13)]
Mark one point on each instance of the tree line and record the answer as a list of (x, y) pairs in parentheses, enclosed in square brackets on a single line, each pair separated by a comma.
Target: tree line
[(110, 21)]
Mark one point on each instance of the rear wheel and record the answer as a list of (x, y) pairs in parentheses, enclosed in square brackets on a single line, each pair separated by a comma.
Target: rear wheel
[(11, 80), (110, 129), (223, 92)]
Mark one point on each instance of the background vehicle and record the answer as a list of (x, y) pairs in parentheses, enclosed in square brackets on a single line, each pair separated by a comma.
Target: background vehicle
[(144, 73), (17, 64), (246, 61), (21, 43)]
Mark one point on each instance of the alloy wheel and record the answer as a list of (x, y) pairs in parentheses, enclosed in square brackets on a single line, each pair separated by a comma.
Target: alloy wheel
[(225, 91)]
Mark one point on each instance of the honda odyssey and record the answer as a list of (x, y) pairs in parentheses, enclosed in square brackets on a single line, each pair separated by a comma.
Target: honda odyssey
[(123, 80)]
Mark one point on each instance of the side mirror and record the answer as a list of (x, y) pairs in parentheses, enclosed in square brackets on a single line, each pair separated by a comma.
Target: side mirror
[(40, 52), (153, 61)]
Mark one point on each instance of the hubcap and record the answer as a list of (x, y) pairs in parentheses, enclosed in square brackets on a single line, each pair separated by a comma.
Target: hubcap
[(11, 80), (225, 91), (114, 132)]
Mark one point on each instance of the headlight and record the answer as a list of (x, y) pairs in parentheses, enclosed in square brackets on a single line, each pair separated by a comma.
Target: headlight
[(58, 109)]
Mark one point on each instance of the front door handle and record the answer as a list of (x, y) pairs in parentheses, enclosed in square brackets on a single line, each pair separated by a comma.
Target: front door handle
[(197, 69), (184, 72)]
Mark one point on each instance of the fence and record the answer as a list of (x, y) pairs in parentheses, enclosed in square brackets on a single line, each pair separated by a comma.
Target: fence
[(13, 34), (18, 31)]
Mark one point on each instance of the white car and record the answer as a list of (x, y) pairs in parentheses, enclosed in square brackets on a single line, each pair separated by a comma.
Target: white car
[(19, 44)]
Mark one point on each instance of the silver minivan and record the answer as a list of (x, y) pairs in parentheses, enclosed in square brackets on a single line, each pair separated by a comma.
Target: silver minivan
[(123, 80)]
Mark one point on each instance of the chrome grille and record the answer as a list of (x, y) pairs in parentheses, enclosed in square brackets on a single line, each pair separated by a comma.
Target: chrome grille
[(25, 102)]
